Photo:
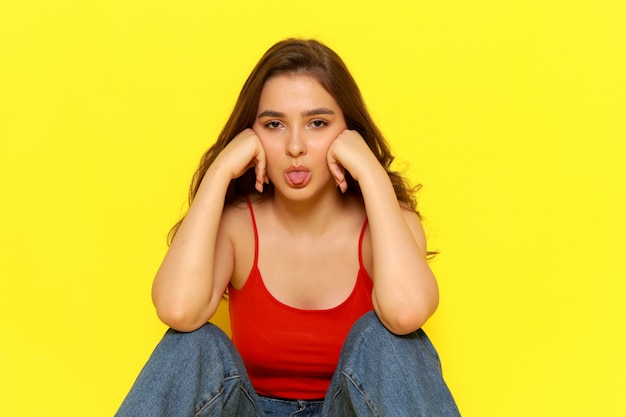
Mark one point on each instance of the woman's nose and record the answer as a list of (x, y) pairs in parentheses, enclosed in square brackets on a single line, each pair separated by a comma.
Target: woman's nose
[(296, 145)]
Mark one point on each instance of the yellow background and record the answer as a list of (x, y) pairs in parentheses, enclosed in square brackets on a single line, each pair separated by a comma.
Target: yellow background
[(511, 113)]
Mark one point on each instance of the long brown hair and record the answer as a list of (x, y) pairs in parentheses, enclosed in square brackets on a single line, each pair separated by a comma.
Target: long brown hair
[(311, 57)]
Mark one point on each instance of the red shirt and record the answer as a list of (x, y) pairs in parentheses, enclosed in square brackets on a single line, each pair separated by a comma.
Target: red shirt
[(291, 353)]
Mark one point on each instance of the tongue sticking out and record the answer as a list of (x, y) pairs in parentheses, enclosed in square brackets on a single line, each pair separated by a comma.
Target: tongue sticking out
[(298, 177)]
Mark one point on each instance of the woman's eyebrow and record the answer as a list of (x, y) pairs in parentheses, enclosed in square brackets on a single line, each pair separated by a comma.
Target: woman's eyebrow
[(270, 113), (313, 112)]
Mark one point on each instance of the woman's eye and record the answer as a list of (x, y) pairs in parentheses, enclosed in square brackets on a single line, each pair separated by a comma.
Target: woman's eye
[(273, 124), (318, 123)]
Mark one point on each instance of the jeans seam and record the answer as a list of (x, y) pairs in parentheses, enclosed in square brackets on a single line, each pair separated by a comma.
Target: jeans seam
[(210, 401), (245, 391), (365, 397), (220, 392)]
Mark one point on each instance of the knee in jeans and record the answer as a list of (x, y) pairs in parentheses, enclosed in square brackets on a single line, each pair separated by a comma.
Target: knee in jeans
[(369, 335), (365, 334), (366, 326), (207, 335), (366, 322)]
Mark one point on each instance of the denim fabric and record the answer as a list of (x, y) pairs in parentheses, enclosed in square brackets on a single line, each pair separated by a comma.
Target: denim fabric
[(273, 407), (192, 374), (382, 374), (379, 374)]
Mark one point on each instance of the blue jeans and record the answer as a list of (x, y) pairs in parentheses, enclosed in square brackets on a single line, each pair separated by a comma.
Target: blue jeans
[(378, 374)]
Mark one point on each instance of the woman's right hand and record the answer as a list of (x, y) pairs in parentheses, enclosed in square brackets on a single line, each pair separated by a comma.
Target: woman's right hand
[(242, 153)]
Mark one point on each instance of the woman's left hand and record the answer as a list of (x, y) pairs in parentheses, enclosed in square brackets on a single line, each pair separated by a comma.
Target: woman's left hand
[(349, 152)]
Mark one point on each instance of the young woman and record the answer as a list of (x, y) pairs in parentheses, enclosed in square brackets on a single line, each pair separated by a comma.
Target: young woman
[(296, 214)]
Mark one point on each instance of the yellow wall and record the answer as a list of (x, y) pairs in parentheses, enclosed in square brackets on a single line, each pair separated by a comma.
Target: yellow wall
[(512, 114)]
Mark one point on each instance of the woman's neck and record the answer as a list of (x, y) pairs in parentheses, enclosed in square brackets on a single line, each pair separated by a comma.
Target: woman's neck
[(313, 217)]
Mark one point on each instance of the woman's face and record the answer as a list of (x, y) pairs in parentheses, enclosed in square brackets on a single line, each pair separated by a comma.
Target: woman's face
[(297, 120)]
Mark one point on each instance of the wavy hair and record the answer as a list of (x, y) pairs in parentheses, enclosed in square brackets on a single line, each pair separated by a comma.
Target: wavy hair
[(313, 58)]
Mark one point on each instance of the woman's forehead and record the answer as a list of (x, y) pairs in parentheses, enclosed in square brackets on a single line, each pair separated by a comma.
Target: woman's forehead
[(295, 92)]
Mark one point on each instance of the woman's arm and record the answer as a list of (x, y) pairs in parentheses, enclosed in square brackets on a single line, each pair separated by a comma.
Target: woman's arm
[(188, 286), (405, 289)]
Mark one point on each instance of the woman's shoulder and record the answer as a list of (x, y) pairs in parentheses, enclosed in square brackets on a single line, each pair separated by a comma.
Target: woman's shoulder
[(234, 213), (239, 217)]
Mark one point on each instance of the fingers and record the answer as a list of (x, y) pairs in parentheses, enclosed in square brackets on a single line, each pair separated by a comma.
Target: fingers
[(260, 163), (246, 151), (260, 171), (336, 169), (339, 173), (349, 152), (343, 155)]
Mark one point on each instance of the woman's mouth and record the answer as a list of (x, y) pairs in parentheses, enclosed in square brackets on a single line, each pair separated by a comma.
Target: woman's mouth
[(297, 177)]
